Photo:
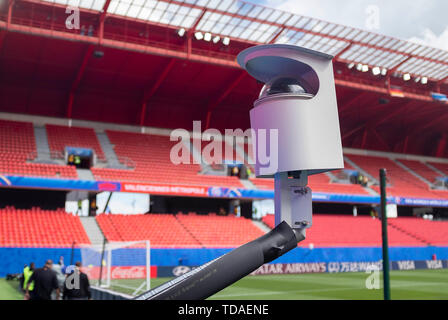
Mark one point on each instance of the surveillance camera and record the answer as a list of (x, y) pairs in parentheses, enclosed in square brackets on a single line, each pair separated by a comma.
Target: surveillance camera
[(298, 103), (299, 100)]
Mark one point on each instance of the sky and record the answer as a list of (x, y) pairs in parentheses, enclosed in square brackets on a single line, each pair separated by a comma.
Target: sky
[(422, 21)]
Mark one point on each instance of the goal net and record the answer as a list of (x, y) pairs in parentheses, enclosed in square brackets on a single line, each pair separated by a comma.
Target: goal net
[(119, 266)]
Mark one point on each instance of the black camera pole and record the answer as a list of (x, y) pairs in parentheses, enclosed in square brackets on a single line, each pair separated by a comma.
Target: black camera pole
[(386, 276), (212, 277)]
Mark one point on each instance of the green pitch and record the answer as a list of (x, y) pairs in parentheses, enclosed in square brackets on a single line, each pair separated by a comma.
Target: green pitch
[(9, 290), (418, 284)]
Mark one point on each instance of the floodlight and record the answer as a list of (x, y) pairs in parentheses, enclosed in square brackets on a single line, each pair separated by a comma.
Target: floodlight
[(198, 35), (417, 79), (406, 77), (226, 41), (424, 80), (365, 68), (216, 39), (207, 36), (359, 67), (181, 32), (383, 71), (350, 65), (376, 71), (98, 54)]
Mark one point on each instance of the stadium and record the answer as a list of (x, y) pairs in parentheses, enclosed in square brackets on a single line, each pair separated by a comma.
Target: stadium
[(92, 91)]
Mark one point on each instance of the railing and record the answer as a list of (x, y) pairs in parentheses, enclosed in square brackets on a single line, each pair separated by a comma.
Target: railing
[(43, 24)]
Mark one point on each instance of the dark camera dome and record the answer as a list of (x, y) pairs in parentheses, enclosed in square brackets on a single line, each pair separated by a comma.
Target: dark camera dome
[(289, 86)]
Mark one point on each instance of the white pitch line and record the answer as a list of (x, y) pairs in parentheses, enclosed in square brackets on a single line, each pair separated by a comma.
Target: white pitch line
[(312, 290)]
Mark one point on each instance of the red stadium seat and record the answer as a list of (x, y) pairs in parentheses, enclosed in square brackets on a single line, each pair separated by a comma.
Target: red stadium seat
[(318, 183), (151, 156), (167, 230), (60, 137), (400, 182), (163, 230), (18, 146), (40, 228), (349, 231)]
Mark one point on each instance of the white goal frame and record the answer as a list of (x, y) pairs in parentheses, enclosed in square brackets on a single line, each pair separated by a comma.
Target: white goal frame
[(106, 252)]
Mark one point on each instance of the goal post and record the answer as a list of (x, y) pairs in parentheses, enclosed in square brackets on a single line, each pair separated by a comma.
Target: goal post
[(119, 266)]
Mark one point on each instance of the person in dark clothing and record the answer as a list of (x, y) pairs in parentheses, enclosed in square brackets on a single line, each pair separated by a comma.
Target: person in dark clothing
[(77, 290), (45, 281)]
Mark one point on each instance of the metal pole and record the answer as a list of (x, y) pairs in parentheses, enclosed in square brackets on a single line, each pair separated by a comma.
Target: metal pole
[(109, 267), (101, 262), (148, 266), (212, 277), (72, 253), (386, 278), (107, 202)]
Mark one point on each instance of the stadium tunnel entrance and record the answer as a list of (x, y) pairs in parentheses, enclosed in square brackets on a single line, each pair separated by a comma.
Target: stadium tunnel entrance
[(166, 204), (82, 203), (28, 198)]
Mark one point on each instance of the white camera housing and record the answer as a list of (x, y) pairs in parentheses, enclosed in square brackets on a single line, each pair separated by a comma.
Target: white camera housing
[(299, 100)]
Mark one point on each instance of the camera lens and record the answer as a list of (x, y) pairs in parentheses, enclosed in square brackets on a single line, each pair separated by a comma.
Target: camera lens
[(284, 86)]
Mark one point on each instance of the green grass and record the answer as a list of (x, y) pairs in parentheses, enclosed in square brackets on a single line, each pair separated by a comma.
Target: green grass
[(9, 290), (418, 285)]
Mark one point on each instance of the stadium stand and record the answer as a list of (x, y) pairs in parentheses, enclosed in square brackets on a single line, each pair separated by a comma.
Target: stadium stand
[(340, 231), (151, 156), (167, 230), (443, 167), (318, 183), (60, 137), (38, 169), (400, 181), (17, 140), (220, 231), (432, 232), (40, 228), (18, 147), (421, 169), (163, 230), (226, 155)]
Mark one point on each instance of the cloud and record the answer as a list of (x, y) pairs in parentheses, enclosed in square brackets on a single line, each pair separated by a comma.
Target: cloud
[(429, 38), (421, 21)]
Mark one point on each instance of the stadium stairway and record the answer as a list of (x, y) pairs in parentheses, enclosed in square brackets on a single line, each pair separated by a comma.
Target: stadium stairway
[(188, 230), (248, 184), (365, 173), (435, 169), (42, 148), (85, 174), (415, 174), (108, 149), (92, 230), (413, 235), (261, 225), (332, 176)]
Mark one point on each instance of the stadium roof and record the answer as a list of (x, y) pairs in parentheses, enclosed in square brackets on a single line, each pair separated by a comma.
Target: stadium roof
[(258, 24)]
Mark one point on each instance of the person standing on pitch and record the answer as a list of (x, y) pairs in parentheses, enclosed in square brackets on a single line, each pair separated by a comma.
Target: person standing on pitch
[(71, 291), (27, 273), (45, 281)]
